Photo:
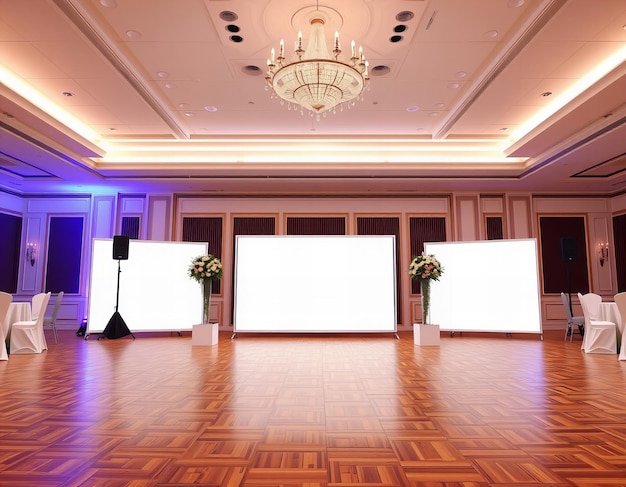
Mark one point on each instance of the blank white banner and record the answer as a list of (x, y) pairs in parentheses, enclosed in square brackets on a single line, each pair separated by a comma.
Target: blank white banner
[(490, 285), (156, 292), (315, 284)]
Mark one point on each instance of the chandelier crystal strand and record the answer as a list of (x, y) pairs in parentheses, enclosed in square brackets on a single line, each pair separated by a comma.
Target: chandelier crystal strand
[(316, 80)]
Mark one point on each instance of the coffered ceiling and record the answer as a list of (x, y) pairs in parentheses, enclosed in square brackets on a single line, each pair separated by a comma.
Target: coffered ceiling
[(170, 96)]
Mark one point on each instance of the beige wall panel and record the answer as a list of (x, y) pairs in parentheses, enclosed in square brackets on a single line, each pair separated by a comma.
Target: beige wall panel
[(492, 204), (159, 218), (519, 218), (59, 205), (570, 205), (599, 233), (103, 217), (467, 218), (132, 204), (618, 204)]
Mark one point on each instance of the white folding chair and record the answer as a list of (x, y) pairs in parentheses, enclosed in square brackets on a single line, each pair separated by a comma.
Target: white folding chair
[(5, 302), (28, 336), (572, 321), (51, 320), (600, 336)]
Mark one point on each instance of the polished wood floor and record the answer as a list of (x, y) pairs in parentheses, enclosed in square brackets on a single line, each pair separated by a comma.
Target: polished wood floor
[(321, 410)]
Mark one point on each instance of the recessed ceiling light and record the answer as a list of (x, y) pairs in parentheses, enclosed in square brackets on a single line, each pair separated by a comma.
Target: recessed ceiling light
[(188, 114), (163, 74), (504, 129), (68, 93), (440, 106), (453, 86), (210, 108), (108, 3), (237, 39), (516, 3), (412, 108), (170, 85), (546, 93), (228, 16), (133, 34), (433, 114), (252, 70), (404, 16), (183, 105), (380, 70), (461, 74), (492, 34)]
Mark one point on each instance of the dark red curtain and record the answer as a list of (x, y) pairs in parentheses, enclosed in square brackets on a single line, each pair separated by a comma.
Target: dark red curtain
[(619, 250), (561, 236), (10, 240), (494, 228), (64, 259), (311, 225), (130, 227), (422, 230), (206, 229)]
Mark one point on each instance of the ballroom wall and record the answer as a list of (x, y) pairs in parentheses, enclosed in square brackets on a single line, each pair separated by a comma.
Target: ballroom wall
[(160, 217)]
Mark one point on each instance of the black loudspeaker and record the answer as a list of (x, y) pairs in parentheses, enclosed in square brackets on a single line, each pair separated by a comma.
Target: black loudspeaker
[(120, 247), (568, 249)]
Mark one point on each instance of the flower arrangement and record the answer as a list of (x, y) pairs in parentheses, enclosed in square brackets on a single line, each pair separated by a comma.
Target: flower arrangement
[(425, 268), (206, 268)]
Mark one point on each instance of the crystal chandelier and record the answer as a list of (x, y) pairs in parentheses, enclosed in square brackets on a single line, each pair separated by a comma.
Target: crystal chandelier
[(316, 80)]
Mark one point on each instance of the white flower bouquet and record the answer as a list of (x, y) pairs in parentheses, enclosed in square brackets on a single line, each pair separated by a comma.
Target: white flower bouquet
[(206, 268)]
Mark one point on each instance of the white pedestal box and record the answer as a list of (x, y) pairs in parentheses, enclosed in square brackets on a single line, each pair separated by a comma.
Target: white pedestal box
[(425, 334), (204, 334)]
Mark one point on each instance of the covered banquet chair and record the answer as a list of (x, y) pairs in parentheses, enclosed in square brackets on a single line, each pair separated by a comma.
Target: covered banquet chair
[(28, 336), (36, 305), (572, 321), (5, 302), (600, 336)]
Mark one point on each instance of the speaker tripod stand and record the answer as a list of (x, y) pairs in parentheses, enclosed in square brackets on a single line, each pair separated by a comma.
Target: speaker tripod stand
[(116, 327)]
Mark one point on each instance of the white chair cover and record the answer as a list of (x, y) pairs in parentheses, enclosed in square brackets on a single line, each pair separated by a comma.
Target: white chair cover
[(600, 336), (620, 301), (5, 302), (35, 306), (28, 336)]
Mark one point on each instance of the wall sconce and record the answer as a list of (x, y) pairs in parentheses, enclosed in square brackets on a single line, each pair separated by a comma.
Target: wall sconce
[(603, 252), (31, 253)]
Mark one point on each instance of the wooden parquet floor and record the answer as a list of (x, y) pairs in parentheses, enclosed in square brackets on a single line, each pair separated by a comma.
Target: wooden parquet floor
[(313, 411)]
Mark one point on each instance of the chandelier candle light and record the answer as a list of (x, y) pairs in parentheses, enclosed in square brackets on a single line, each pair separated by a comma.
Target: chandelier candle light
[(316, 80)]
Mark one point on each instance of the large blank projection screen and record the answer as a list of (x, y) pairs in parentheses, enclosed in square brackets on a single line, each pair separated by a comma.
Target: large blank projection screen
[(156, 293), (486, 286), (315, 284)]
